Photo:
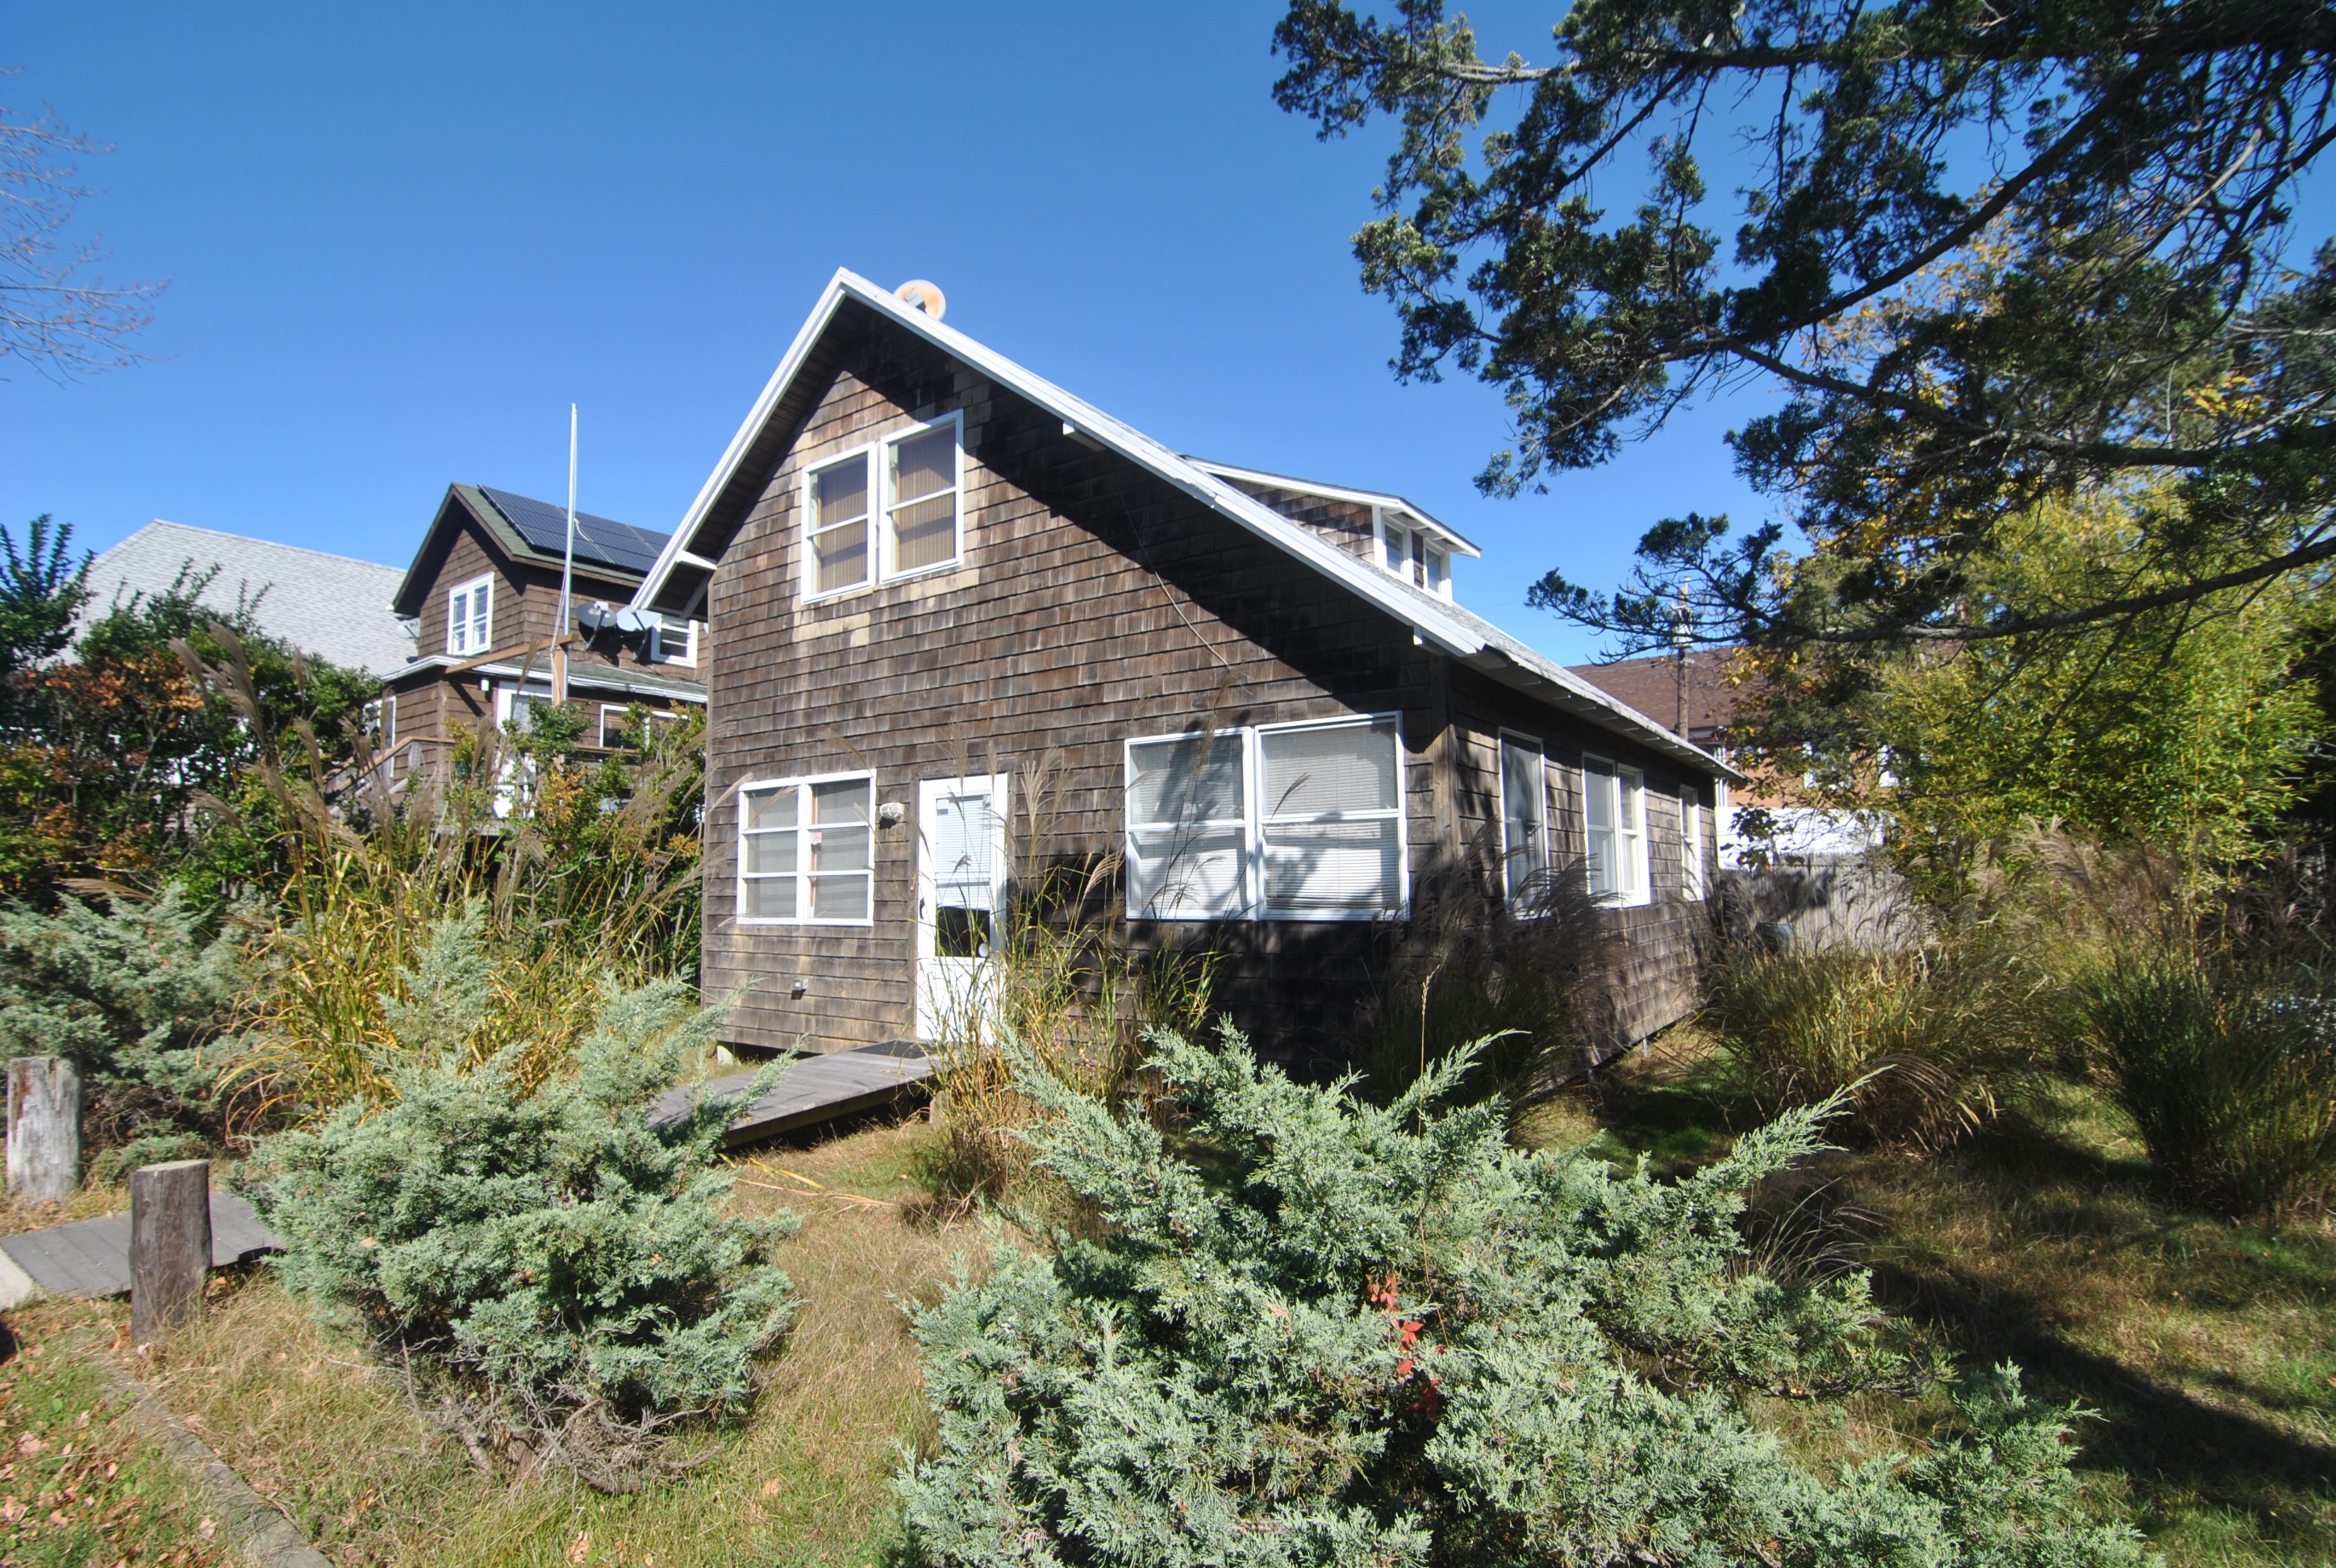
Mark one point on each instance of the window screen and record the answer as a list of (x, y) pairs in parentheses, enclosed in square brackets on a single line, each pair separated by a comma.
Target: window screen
[(839, 526), (1187, 828), (806, 851), (924, 511), (1524, 816), (1330, 818), (964, 851)]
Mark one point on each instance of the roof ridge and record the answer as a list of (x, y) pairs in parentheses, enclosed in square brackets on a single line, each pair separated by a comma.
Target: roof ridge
[(246, 538)]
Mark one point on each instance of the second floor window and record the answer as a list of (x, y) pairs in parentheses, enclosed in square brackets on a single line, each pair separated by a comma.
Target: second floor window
[(471, 617), (891, 510)]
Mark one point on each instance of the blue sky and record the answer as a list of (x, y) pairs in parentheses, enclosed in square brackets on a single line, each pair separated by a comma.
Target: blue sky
[(402, 240)]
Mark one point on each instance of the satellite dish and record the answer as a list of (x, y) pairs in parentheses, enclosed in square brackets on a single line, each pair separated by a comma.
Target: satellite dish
[(925, 297), (633, 622), (595, 619)]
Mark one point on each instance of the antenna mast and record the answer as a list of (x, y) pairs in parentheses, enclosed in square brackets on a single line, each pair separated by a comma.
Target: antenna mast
[(566, 575)]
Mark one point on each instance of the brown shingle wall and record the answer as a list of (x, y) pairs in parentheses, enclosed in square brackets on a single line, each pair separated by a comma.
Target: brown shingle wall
[(1093, 603)]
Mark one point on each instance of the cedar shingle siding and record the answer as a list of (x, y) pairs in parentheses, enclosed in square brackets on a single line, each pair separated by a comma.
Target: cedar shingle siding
[(1097, 602)]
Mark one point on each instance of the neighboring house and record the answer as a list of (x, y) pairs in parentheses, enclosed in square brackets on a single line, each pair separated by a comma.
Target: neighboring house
[(937, 584), (1758, 824), (329, 606), (484, 591)]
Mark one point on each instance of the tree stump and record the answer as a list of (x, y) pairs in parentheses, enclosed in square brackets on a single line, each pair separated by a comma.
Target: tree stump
[(170, 1246), (43, 1129)]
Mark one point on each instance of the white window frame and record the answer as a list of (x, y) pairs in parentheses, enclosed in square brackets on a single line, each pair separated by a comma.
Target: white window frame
[(877, 455), (508, 706), (656, 716), (1255, 824), (661, 648), (864, 455), (1517, 739), (378, 718), (891, 572), (1694, 877), (461, 625), (1628, 861), (1420, 549), (801, 874)]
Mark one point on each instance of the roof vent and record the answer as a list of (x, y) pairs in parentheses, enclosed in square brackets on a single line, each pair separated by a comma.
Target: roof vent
[(925, 297)]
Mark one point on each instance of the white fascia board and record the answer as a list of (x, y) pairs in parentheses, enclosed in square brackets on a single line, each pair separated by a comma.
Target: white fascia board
[(1385, 501)]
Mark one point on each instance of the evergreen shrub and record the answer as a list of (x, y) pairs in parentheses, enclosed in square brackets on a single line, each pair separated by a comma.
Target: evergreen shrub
[(557, 1274), (133, 992), (1314, 1331)]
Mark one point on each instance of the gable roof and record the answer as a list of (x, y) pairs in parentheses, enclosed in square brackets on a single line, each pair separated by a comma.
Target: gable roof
[(1474, 641), (533, 531), (331, 606)]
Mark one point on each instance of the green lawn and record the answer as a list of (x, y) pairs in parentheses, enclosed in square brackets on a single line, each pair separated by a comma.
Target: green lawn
[(2205, 1350)]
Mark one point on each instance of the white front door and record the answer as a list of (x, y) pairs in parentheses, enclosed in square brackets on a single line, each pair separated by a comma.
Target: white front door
[(960, 883)]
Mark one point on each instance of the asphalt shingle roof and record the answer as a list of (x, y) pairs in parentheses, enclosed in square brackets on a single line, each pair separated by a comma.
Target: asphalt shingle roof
[(327, 604)]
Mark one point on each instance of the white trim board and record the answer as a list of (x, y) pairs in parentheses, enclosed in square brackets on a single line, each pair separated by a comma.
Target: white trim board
[(1466, 637)]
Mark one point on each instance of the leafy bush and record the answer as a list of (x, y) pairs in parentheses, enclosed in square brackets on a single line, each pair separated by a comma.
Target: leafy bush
[(561, 1270), (2229, 1075), (1922, 1043), (1315, 1331), (132, 993)]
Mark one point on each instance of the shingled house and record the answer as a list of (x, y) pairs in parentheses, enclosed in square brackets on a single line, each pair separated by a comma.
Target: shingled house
[(931, 577), (484, 593)]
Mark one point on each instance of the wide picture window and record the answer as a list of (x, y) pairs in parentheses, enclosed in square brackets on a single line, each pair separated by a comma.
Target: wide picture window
[(1299, 822), (806, 851)]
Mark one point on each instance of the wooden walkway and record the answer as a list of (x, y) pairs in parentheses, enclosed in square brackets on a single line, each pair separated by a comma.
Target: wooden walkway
[(91, 1257), (815, 1089)]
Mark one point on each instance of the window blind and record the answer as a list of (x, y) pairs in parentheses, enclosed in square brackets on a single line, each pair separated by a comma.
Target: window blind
[(924, 498), (839, 526), (1330, 818)]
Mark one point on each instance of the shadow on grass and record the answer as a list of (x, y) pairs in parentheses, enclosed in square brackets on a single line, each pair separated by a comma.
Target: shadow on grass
[(2082, 1227)]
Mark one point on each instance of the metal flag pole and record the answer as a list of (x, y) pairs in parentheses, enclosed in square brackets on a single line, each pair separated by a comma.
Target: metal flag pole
[(566, 575)]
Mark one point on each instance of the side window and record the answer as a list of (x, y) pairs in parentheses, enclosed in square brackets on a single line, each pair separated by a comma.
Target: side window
[(1524, 816), (1633, 825), (837, 517), (676, 640), (806, 851), (1187, 827), (1330, 819), (921, 513), (380, 722), (470, 617)]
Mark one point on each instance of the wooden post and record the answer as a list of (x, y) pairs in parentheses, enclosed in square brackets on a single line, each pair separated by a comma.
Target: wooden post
[(43, 1129), (170, 1246)]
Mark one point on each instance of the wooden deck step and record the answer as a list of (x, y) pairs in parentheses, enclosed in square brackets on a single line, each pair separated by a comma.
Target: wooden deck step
[(815, 1089), (91, 1257)]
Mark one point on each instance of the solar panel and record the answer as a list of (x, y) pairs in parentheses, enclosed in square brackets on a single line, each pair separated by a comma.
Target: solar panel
[(602, 541)]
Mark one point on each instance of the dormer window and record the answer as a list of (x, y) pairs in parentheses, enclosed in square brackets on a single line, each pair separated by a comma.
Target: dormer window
[(471, 617), (1416, 556)]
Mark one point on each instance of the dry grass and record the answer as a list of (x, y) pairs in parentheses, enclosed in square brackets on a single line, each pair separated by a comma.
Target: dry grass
[(303, 1416)]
